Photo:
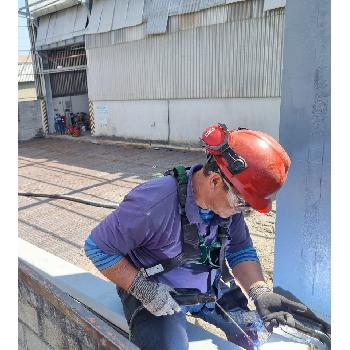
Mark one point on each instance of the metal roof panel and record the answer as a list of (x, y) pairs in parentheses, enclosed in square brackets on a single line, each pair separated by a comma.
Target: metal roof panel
[(273, 4), (107, 14)]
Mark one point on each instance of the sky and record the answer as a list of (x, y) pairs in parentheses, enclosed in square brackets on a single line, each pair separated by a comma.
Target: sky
[(23, 37)]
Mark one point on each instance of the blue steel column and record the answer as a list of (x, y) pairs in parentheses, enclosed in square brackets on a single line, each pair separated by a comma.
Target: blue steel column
[(303, 224)]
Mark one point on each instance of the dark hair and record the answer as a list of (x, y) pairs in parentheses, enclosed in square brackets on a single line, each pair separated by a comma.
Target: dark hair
[(211, 166)]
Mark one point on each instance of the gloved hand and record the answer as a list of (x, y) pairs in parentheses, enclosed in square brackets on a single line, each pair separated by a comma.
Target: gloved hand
[(274, 309), (155, 297)]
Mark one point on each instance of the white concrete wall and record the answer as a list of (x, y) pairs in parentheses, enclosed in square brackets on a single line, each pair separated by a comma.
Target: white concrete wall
[(148, 119), (29, 119), (144, 120), (188, 118)]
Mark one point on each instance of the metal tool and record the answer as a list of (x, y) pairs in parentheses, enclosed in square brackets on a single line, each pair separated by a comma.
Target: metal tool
[(251, 341), (191, 296)]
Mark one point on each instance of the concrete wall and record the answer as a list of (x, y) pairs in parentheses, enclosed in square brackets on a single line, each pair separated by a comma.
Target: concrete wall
[(50, 319), (303, 226), (29, 119), (182, 121)]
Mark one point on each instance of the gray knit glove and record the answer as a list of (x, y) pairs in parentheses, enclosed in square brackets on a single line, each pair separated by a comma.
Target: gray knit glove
[(274, 309), (155, 297)]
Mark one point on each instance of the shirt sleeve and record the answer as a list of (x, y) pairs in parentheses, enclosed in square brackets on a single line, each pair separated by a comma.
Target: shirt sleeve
[(126, 228), (98, 257), (240, 247)]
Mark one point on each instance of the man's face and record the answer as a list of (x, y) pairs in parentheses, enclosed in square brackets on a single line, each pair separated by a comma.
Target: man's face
[(222, 202)]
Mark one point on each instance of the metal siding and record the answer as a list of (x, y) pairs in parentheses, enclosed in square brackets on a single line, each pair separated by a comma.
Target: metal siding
[(42, 30), (59, 26), (25, 72), (95, 16), (81, 19), (157, 17), (69, 22), (51, 28), (107, 16), (273, 4), (135, 12), (234, 59), (120, 12)]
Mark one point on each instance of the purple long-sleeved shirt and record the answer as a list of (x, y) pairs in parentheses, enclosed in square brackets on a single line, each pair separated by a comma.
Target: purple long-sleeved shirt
[(146, 227)]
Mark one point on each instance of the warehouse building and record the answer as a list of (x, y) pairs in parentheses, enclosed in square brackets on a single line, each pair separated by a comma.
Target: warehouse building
[(162, 70), (59, 49)]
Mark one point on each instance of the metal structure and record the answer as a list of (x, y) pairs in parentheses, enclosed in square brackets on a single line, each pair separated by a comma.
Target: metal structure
[(56, 30), (224, 51), (303, 225)]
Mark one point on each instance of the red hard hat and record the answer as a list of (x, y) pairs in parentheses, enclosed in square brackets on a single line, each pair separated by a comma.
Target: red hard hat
[(254, 162)]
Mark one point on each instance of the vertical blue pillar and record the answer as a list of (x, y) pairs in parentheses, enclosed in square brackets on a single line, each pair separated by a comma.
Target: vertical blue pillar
[(303, 223)]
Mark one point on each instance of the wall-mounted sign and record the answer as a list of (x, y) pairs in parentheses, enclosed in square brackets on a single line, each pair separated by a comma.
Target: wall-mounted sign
[(101, 114)]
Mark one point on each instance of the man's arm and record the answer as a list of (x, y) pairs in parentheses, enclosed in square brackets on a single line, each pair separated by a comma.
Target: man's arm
[(247, 273), (122, 274)]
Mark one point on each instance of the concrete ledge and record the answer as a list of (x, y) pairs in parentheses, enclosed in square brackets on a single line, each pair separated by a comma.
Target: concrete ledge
[(51, 319), (99, 295)]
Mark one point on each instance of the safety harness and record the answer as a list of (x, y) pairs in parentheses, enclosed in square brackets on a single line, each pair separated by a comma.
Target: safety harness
[(193, 248)]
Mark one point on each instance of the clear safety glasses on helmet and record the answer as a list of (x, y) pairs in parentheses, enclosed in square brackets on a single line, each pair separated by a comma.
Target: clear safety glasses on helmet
[(235, 201)]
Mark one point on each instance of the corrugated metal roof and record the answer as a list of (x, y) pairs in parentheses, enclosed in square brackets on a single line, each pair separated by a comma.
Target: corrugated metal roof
[(273, 4), (239, 58), (107, 15), (61, 25), (25, 72), (49, 6)]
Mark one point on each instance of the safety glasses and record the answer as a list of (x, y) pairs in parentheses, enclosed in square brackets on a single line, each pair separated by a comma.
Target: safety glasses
[(234, 199)]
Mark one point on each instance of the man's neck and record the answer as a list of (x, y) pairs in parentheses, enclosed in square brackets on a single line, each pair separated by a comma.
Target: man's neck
[(198, 184)]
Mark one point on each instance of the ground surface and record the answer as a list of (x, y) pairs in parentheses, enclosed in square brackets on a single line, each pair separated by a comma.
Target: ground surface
[(102, 172)]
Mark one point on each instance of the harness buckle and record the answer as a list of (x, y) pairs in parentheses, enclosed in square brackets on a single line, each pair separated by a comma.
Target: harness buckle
[(153, 270)]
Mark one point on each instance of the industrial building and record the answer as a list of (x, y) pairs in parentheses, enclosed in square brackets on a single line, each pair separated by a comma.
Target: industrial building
[(161, 70)]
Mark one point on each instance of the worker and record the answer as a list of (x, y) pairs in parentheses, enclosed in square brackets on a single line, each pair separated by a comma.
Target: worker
[(187, 230)]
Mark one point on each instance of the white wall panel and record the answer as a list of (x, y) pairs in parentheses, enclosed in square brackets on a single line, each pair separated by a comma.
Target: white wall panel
[(149, 119), (187, 118)]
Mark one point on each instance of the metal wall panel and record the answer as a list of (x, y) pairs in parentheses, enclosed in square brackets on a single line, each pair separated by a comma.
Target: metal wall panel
[(81, 19), (62, 25), (210, 16), (106, 19), (157, 19), (233, 59), (68, 83), (273, 4), (95, 16), (42, 30), (135, 11)]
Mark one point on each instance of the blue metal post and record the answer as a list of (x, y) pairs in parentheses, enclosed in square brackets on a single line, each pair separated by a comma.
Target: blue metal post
[(302, 250)]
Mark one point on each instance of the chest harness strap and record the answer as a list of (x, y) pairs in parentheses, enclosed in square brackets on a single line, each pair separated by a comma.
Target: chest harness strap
[(189, 236)]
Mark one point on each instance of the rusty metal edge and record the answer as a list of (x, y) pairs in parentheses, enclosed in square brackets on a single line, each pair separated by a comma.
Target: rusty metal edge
[(92, 324)]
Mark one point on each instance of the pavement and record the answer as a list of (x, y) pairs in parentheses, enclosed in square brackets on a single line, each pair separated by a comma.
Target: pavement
[(88, 168), (99, 170)]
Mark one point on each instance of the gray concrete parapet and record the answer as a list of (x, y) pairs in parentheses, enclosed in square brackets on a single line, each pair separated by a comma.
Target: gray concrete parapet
[(51, 319)]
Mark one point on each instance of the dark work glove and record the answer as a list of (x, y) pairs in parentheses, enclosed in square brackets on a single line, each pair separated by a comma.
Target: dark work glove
[(274, 309)]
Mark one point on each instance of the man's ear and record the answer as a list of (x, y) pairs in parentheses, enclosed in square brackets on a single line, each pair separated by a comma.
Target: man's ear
[(215, 180)]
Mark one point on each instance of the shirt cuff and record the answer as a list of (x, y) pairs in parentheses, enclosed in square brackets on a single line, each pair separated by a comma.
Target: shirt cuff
[(247, 254), (98, 257)]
